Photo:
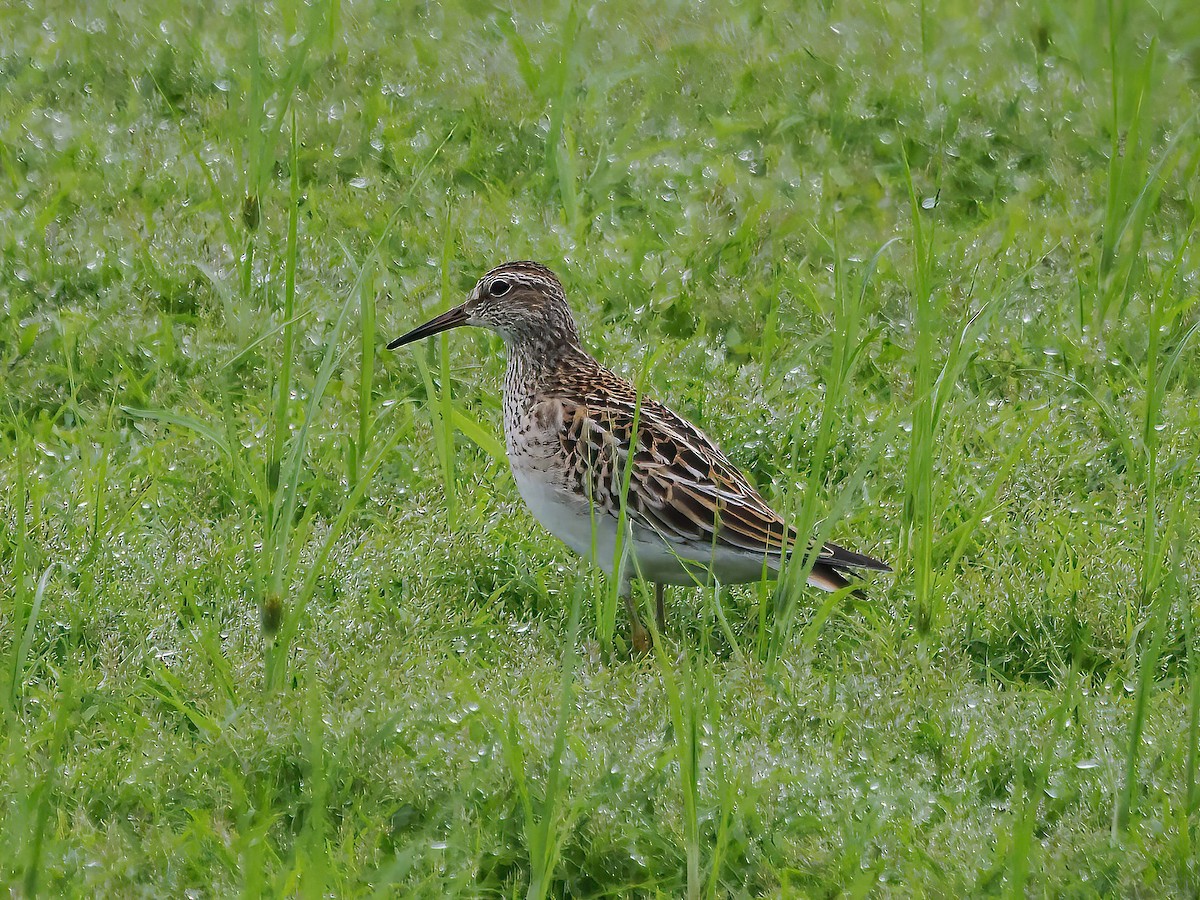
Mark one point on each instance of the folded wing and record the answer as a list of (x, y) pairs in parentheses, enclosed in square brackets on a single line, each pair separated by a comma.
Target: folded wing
[(681, 486)]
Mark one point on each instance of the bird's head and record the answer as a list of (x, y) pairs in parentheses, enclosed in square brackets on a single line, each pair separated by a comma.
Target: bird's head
[(523, 302)]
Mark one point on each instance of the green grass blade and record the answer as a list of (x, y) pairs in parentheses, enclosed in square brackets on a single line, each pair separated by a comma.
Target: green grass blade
[(478, 435), (1022, 847), (366, 376), (20, 590), (918, 525), (443, 436), (179, 420), (283, 382), (22, 654), (290, 474)]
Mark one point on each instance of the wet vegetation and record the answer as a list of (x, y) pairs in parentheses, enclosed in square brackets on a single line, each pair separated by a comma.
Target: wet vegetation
[(272, 617)]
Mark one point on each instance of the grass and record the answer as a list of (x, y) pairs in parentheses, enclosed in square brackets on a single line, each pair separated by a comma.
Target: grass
[(927, 273)]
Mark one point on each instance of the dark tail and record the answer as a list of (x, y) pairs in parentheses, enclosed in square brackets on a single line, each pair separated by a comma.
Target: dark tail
[(835, 563)]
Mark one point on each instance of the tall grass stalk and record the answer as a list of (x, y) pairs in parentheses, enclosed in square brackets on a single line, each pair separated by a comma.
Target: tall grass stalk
[(254, 142), (443, 430), (42, 799), (263, 130), (847, 494), (951, 547), (282, 539), (21, 656), (552, 82), (312, 858), (686, 706), (560, 156), (846, 349), (254, 817), (1130, 197), (445, 397), (1122, 214), (359, 446), (1021, 848), (933, 388), (20, 589), (546, 821), (273, 600), (917, 532), (728, 783), (1154, 598), (439, 397), (1151, 641), (1192, 740), (1176, 585)]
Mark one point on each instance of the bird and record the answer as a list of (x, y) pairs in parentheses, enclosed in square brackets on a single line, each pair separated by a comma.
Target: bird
[(591, 455)]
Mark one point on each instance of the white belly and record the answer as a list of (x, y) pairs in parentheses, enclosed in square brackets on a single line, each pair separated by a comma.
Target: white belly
[(593, 535), (542, 480), (566, 515)]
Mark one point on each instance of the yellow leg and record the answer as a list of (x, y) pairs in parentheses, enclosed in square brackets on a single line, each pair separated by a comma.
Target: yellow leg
[(641, 637)]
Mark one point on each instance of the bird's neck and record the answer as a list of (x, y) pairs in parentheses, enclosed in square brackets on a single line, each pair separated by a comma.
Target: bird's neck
[(534, 357), (534, 361)]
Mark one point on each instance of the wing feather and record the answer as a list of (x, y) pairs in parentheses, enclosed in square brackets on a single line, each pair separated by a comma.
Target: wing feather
[(682, 486)]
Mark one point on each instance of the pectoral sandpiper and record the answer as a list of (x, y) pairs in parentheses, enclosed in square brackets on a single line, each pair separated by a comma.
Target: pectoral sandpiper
[(569, 428)]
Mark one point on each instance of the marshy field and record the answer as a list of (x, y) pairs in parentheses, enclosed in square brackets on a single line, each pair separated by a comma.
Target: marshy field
[(273, 618)]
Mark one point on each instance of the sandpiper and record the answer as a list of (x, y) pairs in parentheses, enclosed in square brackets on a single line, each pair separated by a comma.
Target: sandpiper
[(570, 426)]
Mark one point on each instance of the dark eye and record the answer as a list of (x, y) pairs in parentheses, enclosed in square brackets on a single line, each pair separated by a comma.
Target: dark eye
[(500, 287)]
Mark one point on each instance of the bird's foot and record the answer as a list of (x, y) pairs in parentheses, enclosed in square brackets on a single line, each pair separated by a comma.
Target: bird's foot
[(641, 641)]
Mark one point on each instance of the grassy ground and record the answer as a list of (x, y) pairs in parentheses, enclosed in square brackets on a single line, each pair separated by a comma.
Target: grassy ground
[(926, 271)]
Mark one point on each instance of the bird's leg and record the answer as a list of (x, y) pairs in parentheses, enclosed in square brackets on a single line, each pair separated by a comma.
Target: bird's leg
[(660, 606), (638, 632)]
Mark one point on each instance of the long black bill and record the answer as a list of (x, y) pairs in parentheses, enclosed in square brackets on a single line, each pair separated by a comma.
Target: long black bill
[(451, 318)]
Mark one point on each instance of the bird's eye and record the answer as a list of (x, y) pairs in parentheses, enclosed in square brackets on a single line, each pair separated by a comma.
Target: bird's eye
[(500, 287)]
